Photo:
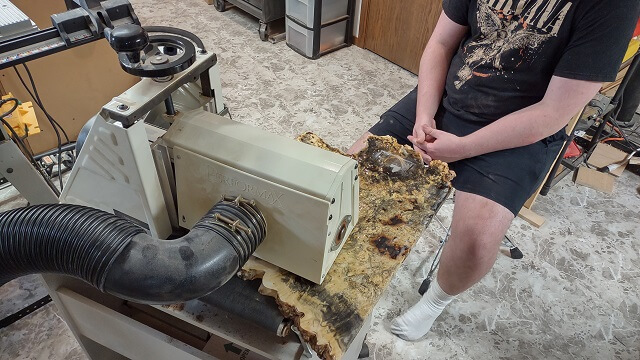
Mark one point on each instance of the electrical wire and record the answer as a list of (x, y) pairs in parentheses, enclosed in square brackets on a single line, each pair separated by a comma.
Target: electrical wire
[(21, 143), (629, 144), (615, 128), (622, 137), (35, 91), (54, 124), (37, 100), (612, 139)]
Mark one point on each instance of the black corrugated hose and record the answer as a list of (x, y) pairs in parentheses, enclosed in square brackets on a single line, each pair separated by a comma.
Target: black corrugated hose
[(119, 258)]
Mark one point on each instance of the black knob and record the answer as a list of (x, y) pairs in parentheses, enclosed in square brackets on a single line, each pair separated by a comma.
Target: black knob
[(129, 39)]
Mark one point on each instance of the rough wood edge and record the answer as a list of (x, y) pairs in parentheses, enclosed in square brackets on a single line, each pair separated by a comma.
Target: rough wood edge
[(531, 217)]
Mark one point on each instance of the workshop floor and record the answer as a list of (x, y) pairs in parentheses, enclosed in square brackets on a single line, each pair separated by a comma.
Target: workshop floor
[(574, 295)]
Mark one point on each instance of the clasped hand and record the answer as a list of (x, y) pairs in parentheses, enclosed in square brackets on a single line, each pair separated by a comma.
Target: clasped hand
[(434, 144)]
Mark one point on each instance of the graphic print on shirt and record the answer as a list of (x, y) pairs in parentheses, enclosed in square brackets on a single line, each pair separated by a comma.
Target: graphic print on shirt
[(510, 30)]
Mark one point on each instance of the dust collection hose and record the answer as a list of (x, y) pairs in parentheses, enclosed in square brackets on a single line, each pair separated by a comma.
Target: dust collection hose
[(119, 258)]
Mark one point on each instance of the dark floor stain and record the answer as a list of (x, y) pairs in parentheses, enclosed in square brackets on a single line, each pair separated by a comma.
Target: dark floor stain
[(199, 318), (386, 246)]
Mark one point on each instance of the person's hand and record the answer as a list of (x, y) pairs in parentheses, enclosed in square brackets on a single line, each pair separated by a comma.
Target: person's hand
[(419, 138), (445, 146)]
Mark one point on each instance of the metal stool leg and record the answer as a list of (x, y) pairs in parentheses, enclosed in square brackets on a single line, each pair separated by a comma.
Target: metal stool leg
[(434, 264), (513, 249), (436, 260)]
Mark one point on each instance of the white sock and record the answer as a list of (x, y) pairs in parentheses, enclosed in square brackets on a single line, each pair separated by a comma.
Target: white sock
[(416, 322)]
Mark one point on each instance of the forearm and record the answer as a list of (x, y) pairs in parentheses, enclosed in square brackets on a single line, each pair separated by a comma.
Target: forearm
[(434, 66), (563, 99), (521, 128)]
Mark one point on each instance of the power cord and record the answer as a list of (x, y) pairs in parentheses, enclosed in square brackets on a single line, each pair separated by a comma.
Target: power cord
[(40, 104), (21, 143), (624, 141), (54, 124)]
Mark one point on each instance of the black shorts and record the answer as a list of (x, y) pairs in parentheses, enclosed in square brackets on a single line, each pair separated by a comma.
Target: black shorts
[(508, 177)]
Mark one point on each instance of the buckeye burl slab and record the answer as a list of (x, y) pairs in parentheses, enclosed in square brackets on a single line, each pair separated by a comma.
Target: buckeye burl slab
[(398, 197)]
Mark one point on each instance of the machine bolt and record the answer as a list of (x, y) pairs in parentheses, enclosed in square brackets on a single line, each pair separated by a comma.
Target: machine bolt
[(202, 52), (159, 59), (233, 224), (9, 170), (356, 178), (184, 219), (333, 201), (163, 79), (123, 107), (330, 217), (356, 166), (238, 200)]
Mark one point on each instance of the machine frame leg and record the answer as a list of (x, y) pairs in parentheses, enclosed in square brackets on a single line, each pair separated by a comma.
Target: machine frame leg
[(15, 167)]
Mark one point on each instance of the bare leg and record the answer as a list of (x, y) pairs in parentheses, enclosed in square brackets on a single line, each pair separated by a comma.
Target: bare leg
[(477, 229), (359, 144), (478, 226)]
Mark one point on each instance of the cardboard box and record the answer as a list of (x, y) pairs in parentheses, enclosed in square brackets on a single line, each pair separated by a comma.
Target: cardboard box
[(595, 179), (605, 155)]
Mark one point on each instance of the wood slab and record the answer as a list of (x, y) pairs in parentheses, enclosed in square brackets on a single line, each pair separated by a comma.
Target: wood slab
[(531, 217), (398, 197)]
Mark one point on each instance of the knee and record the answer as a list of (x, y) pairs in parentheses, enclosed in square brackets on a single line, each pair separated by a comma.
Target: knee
[(478, 247), (359, 144)]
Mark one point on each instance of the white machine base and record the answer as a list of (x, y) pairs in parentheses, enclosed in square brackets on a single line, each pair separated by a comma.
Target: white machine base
[(111, 328)]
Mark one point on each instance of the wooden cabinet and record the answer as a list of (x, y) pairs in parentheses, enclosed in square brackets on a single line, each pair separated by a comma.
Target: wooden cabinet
[(398, 30)]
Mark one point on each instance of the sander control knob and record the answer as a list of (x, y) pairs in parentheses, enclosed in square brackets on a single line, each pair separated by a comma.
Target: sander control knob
[(151, 56), (128, 39)]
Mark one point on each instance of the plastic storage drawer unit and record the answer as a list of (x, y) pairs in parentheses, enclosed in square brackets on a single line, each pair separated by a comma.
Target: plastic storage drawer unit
[(315, 43), (305, 10)]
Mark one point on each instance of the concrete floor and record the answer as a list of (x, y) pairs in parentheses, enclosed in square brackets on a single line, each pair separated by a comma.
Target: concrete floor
[(574, 295)]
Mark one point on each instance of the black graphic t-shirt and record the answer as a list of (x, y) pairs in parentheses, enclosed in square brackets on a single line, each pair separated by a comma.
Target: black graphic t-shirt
[(514, 47)]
